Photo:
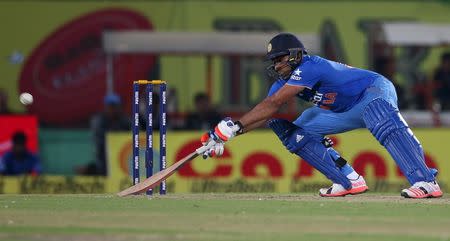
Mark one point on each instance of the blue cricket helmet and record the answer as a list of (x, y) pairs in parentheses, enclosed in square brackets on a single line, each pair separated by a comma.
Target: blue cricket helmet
[(281, 45), (284, 44)]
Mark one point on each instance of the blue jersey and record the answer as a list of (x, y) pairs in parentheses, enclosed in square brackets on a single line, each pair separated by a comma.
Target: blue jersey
[(28, 164), (329, 85)]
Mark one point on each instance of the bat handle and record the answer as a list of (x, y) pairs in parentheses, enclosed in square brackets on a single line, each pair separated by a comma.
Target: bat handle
[(201, 150)]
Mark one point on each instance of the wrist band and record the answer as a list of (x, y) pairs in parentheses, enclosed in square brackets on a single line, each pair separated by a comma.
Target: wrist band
[(241, 127)]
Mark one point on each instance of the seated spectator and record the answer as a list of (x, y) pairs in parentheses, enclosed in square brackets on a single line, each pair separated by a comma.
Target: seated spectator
[(205, 116), (19, 160), (420, 91), (111, 119), (441, 82)]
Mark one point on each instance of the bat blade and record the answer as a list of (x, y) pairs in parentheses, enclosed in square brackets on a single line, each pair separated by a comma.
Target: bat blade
[(158, 177)]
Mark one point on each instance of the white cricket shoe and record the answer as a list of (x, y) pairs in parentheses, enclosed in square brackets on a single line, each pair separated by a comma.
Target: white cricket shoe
[(337, 190), (423, 190)]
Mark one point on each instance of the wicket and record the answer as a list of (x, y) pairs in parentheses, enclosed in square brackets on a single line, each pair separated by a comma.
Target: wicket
[(149, 130)]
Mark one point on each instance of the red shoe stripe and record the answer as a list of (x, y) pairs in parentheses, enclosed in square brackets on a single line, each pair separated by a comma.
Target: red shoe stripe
[(419, 193), (411, 190), (422, 193), (414, 191)]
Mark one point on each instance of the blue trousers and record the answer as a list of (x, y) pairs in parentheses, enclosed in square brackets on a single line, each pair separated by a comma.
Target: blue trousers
[(402, 145), (319, 122)]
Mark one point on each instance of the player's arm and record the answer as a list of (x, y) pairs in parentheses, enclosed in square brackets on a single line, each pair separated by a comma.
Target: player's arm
[(253, 126), (227, 128), (269, 106)]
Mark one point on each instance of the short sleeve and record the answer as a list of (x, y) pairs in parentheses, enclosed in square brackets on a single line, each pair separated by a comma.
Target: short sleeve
[(275, 87), (305, 75)]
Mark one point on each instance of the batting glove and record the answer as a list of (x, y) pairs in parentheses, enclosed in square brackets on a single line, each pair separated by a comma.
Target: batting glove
[(227, 129), (224, 131), (216, 145)]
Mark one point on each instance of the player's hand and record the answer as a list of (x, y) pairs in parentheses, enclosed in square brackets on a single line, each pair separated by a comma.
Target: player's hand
[(224, 131), (216, 150), (215, 145), (227, 129)]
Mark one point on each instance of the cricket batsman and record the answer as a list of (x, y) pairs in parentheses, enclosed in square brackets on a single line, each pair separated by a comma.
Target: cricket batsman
[(345, 98)]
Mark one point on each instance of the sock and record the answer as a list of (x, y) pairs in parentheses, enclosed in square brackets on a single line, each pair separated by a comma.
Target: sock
[(349, 172), (353, 176)]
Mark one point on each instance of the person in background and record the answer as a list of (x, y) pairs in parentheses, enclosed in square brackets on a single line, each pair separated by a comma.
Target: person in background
[(441, 82), (111, 119), (420, 90), (19, 160), (205, 116)]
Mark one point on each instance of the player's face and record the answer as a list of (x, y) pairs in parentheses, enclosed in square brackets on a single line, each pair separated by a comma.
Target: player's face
[(281, 65)]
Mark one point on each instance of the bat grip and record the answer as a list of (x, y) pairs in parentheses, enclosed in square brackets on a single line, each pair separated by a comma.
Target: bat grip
[(203, 149)]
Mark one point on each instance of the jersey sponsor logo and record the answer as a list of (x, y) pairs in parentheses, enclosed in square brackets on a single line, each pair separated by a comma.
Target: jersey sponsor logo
[(296, 75), (299, 138)]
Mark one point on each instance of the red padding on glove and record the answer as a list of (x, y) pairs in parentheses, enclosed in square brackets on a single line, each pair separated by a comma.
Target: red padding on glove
[(204, 138), (221, 136)]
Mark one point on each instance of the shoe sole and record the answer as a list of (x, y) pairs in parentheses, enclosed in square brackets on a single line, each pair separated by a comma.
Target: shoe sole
[(431, 195), (353, 191), (359, 190)]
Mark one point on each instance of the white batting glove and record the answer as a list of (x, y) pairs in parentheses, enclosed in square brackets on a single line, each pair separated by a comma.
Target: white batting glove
[(216, 150), (227, 129), (214, 144), (224, 131)]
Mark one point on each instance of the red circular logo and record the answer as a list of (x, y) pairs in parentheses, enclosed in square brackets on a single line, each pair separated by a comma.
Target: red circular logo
[(66, 72)]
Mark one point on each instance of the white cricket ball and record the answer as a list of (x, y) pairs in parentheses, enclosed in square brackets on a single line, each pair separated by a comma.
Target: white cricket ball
[(26, 98)]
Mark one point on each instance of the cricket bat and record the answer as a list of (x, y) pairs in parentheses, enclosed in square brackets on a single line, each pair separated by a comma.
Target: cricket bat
[(158, 177)]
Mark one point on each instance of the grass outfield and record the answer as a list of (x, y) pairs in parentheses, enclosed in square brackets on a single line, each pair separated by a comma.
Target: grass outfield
[(223, 217)]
